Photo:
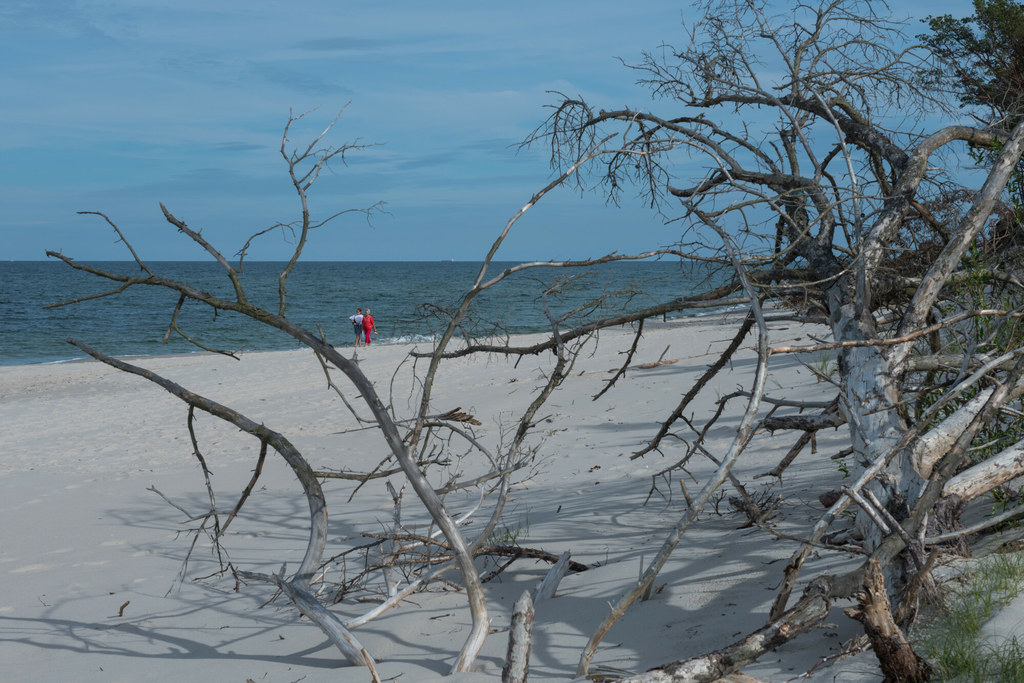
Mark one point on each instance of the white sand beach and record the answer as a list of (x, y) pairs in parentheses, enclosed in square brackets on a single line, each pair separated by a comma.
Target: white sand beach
[(90, 558)]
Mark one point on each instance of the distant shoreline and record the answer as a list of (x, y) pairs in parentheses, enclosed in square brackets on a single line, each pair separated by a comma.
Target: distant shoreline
[(410, 300), (386, 342)]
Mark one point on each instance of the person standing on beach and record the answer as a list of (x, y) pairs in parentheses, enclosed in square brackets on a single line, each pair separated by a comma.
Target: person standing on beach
[(368, 326), (357, 325)]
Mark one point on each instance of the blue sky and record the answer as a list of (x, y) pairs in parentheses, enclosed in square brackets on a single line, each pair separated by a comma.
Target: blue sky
[(118, 105)]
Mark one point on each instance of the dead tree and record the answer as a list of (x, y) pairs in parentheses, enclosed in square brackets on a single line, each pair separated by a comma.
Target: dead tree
[(404, 438), (799, 176), (803, 180)]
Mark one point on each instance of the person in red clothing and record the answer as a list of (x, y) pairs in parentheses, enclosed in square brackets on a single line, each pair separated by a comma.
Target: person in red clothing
[(368, 325)]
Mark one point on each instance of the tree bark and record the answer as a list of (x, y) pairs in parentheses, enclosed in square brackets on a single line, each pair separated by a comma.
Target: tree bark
[(329, 623), (517, 662), (897, 659), (985, 476), (546, 589), (930, 448)]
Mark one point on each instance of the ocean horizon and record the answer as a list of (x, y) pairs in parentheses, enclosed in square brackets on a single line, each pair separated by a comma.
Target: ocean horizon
[(410, 301)]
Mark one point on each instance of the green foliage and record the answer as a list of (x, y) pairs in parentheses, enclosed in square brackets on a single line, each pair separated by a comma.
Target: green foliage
[(981, 60), (952, 641), (982, 56), (976, 288), (510, 535), (825, 368), (843, 467)]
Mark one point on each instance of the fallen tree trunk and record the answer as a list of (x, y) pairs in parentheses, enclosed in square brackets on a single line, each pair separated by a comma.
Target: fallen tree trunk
[(934, 444), (520, 552), (804, 616), (985, 476)]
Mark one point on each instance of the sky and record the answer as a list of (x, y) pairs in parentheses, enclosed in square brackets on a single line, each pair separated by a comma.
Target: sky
[(119, 105)]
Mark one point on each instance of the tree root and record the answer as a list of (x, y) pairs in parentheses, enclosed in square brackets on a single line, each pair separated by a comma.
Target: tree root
[(897, 659)]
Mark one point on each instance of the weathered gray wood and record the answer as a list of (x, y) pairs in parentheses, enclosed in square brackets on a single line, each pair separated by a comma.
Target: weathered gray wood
[(517, 661), (389, 549), (930, 448), (744, 433), (933, 445), (986, 523), (304, 167), (985, 476), (329, 623), (807, 423), (897, 659), (304, 473), (547, 587), (714, 666)]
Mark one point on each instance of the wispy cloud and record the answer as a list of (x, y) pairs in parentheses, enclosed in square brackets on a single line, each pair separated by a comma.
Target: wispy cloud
[(343, 44), (237, 146), (119, 104), (297, 80)]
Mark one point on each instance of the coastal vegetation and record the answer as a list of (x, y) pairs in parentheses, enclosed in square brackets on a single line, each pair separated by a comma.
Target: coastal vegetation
[(812, 156), (951, 636)]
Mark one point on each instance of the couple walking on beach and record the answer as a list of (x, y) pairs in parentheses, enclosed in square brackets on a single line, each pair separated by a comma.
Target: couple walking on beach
[(362, 325)]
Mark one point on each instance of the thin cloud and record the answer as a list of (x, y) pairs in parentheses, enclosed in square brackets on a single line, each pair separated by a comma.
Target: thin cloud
[(237, 147), (297, 80), (342, 44)]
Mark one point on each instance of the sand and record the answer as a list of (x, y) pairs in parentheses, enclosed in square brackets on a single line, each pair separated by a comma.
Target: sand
[(91, 557)]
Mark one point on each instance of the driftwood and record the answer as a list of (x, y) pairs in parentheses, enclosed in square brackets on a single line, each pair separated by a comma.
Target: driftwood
[(546, 588), (807, 423), (457, 415), (304, 167), (941, 536), (658, 363), (812, 264), (691, 394), (714, 666), (895, 656), (933, 445), (517, 662), (807, 437), (329, 623), (519, 552), (629, 358)]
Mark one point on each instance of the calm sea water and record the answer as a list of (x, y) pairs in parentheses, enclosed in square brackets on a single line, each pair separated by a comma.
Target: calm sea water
[(408, 300)]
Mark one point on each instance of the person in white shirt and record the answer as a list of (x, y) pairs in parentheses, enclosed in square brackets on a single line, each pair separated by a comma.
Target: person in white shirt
[(357, 325)]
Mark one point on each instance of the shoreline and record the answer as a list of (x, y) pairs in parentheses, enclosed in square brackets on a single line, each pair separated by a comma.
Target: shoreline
[(408, 299), (399, 341)]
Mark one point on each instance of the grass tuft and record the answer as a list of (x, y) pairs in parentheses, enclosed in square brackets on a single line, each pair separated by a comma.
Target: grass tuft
[(952, 641)]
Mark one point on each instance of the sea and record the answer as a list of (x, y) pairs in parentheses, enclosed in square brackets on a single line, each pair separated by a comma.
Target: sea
[(410, 301)]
